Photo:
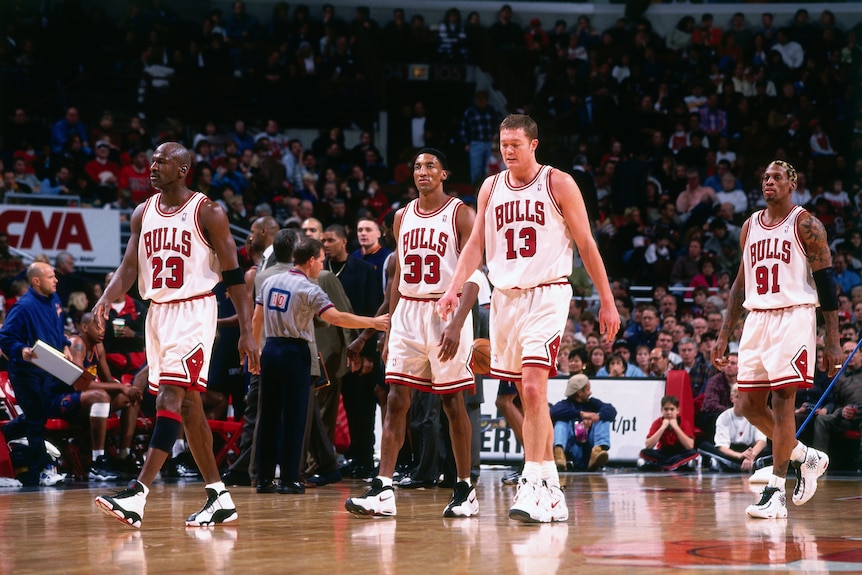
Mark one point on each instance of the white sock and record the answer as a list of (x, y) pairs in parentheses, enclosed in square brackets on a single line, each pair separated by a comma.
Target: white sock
[(386, 481), (178, 448), (97, 453), (799, 452), (467, 481), (775, 481), (532, 471), (124, 452), (218, 486), (550, 473)]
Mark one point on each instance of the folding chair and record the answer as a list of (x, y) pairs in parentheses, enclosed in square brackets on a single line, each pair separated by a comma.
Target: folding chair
[(228, 431)]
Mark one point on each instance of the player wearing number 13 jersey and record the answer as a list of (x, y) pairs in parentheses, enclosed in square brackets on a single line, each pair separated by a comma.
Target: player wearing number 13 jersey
[(527, 218)]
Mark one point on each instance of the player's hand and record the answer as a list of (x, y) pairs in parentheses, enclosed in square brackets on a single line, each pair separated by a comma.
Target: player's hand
[(447, 304), (718, 358), (101, 310), (248, 350), (833, 359), (354, 353), (609, 322), (133, 393), (449, 342)]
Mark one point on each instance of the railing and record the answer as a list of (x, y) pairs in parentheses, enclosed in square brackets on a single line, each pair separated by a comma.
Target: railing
[(41, 199)]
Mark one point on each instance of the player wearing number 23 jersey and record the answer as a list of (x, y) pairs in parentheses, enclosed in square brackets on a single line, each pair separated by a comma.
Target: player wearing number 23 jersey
[(173, 243), (177, 270)]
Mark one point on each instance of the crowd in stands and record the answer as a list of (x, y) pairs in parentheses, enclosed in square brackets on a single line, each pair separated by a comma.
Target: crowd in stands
[(666, 136)]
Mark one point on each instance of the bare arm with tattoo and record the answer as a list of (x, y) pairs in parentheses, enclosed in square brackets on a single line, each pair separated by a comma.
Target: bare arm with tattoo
[(813, 236)]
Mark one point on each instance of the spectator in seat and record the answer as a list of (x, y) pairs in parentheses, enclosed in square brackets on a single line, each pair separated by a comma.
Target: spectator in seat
[(845, 415), (670, 441), (737, 445), (582, 427)]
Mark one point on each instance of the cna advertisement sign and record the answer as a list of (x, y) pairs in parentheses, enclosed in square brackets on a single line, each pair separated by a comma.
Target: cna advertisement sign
[(92, 236)]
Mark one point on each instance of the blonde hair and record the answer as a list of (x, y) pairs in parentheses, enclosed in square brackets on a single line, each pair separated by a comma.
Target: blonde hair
[(77, 300), (788, 167)]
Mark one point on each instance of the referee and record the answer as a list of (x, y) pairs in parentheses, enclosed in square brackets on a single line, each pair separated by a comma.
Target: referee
[(285, 307)]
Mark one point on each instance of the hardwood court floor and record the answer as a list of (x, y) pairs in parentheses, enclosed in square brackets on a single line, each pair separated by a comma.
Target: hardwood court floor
[(620, 522)]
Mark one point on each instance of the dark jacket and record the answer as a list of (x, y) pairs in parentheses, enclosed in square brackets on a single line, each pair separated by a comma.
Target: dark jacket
[(570, 410), (33, 317)]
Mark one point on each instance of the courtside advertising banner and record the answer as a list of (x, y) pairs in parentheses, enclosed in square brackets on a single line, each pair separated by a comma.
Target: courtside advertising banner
[(637, 402), (91, 235)]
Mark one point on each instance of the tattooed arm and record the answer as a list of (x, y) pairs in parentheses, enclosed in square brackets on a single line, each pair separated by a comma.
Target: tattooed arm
[(733, 315), (813, 236)]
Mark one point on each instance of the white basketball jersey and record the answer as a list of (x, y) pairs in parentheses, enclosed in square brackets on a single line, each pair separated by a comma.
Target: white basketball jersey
[(777, 274), (175, 261), (428, 248), (527, 242)]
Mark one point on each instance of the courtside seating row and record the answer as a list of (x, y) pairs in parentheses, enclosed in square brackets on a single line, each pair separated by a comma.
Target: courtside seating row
[(679, 384), (74, 440)]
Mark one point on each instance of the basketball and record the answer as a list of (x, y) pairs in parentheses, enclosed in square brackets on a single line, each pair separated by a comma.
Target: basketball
[(480, 356)]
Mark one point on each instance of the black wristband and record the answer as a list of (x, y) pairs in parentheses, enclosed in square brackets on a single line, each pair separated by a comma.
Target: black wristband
[(233, 277), (824, 280)]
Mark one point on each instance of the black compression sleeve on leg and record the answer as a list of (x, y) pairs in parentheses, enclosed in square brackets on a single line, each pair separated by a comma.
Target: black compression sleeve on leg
[(826, 289), (165, 432)]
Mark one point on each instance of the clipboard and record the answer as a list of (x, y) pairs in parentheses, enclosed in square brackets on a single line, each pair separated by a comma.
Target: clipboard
[(54, 362)]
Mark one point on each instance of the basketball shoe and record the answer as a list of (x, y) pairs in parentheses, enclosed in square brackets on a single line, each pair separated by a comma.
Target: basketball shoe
[(557, 502), (127, 505), (532, 503), (807, 472), (772, 505), (219, 508), (463, 502), (101, 470), (378, 500), (49, 477)]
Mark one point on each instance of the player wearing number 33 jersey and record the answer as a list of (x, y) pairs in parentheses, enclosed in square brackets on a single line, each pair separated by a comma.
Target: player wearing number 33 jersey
[(177, 270), (428, 248)]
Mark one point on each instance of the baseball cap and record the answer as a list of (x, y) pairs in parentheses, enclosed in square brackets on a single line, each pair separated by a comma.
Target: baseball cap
[(576, 383)]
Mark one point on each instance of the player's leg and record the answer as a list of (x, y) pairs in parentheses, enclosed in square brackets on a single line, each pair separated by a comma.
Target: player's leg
[(128, 505), (394, 427), (379, 499), (199, 436), (772, 504), (512, 413), (537, 430), (219, 507), (463, 502), (97, 403)]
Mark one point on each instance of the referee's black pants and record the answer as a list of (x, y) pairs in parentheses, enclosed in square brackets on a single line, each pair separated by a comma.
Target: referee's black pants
[(285, 384)]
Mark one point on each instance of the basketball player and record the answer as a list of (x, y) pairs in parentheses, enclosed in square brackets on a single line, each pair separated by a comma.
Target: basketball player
[(527, 218), (423, 351), (179, 240), (88, 352), (785, 270)]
